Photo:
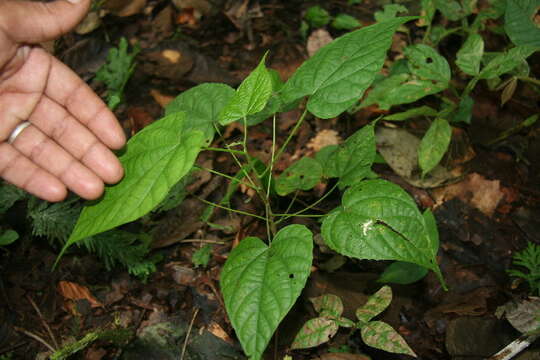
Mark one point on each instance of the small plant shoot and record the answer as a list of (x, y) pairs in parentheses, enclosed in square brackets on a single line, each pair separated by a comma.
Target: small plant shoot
[(262, 278)]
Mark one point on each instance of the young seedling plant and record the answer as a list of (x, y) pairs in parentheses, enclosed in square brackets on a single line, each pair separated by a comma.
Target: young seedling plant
[(262, 278), (377, 334)]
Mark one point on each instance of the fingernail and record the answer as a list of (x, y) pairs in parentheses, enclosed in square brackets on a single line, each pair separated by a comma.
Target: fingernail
[(74, 1)]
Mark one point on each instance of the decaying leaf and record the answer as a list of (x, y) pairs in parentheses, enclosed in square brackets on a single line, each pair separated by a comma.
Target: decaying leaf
[(475, 190), (382, 336), (74, 291)]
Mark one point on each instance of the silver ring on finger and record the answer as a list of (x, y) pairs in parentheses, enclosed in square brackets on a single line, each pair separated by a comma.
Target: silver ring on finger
[(17, 131)]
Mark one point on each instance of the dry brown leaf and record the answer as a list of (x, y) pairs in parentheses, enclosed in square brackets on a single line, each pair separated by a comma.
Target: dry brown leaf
[(475, 190), (124, 8), (323, 139), (317, 40), (73, 291), (218, 331), (162, 99)]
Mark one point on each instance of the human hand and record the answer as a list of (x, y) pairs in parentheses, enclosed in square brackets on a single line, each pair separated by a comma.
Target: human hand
[(67, 143)]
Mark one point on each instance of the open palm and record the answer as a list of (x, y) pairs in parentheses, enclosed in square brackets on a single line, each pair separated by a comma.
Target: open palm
[(67, 144)]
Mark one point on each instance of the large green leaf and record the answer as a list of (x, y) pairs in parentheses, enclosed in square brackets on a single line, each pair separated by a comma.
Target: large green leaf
[(505, 62), (302, 175), (434, 144), (520, 24), (339, 73), (202, 104), (470, 55), (379, 220), (155, 159), (260, 284), (250, 97), (352, 161)]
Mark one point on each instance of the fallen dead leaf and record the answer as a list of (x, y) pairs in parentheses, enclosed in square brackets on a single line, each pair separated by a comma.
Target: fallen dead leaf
[(323, 139), (72, 291), (124, 8), (475, 190), (162, 99), (218, 331), (317, 40)]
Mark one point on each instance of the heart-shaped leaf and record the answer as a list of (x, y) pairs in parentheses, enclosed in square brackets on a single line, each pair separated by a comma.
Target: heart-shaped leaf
[(382, 336), (379, 220), (202, 104), (250, 97), (260, 284), (375, 305), (339, 73), (155, 159), (315, 332)]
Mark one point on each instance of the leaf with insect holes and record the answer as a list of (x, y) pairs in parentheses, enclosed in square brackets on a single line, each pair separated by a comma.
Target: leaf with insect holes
[(202, 104), (429, 74), (339, 73), (156, 158), (506, 62), (250, 97), (375, 305), (261, 283), (401, 272), (352, 160), (379, 220), (382, 336), (315, 332), (521, 22), (426, 63), (434, 144), (328, 305), (302, 175), (470, 55)]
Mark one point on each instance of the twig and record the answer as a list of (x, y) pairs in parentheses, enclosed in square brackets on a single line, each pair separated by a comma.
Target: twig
[(35, 337), (43, 322), (515, 347), (184, 347)]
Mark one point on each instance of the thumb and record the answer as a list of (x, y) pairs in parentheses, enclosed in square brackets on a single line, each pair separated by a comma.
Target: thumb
[(34, 22)]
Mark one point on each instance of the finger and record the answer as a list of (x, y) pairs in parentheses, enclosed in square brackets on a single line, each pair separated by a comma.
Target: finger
[(35, 22), (58, 124), (67, 89), (46, 154), (21, 172)]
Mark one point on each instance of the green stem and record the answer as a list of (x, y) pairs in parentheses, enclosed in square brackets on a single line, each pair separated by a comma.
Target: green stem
[(286, 216), (232, 178), (230, 151), (291, 134), (529, 79), (228, 208)]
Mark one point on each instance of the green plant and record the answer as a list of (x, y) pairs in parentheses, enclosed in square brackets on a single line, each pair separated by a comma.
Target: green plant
[(424, 72), (316, 17), (528, 258), (377, 334), (261, 280), (116, 72)]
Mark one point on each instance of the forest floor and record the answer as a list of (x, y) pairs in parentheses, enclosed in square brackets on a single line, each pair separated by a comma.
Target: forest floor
[(487, 212)]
